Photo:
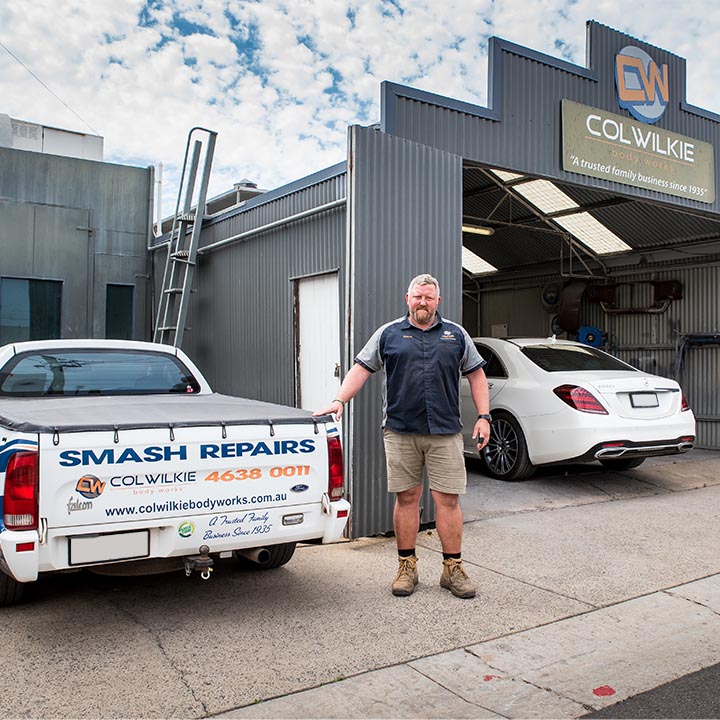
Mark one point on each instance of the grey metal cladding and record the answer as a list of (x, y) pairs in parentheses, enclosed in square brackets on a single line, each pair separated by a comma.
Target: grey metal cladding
[(406, 215), (276, 205), (242, 313), (114, 193), (520, 129)]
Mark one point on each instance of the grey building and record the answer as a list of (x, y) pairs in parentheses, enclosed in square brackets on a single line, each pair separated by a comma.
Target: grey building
[(74, 233), (581, 201)]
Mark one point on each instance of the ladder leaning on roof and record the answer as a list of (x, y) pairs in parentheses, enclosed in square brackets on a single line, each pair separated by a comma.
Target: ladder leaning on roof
[(184, 239)]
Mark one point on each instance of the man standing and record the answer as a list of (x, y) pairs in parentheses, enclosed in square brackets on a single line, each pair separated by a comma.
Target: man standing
[(423, 357)]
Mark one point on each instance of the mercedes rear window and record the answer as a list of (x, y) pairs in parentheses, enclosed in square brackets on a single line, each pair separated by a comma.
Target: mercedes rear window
[(95, 372), (568, 358)]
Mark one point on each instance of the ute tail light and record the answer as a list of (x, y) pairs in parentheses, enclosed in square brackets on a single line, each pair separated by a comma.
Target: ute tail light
[(20, 504), (685, 405), (336, 479), (580, 399)]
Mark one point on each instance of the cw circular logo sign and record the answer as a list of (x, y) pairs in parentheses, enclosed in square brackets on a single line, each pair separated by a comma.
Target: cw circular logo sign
[(643, 86), (90, 486)]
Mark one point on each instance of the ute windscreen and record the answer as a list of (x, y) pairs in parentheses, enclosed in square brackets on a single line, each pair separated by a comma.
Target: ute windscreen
[(95, 372)]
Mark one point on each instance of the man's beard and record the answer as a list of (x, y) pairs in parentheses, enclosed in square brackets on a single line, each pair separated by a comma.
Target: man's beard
[(422, 316)]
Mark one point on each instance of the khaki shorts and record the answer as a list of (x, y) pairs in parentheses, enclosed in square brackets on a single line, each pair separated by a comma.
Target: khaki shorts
[(442, 455)]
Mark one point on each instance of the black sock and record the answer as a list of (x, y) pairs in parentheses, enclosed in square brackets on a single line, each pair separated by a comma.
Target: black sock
[(451, 556), (406, 553)]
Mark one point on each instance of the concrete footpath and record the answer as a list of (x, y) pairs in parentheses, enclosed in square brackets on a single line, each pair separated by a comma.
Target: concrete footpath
[(589, 592)]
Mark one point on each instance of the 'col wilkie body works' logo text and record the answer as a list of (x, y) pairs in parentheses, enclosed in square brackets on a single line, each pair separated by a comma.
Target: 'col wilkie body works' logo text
[(643, 87)]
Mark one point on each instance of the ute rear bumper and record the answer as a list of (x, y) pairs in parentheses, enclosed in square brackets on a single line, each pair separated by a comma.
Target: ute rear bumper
[(19, 554), (22, 556)]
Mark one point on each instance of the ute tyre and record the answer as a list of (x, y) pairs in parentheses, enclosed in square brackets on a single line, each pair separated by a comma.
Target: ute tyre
[(506, 457), (622, 463), (12, 592), (279, 555)]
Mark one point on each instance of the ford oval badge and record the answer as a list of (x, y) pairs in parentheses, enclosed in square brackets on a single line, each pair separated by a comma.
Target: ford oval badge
[(299, 488)]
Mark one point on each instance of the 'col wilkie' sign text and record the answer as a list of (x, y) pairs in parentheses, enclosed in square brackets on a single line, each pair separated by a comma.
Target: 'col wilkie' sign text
[(612, 147)]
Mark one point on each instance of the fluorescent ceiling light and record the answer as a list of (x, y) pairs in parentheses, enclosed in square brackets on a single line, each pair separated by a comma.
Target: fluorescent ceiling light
[(545, 196), (476, 265), (504, 175), (593, 233), (478, 230)]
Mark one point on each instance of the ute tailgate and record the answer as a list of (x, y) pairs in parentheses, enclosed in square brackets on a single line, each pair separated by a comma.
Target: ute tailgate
[(91, 480)]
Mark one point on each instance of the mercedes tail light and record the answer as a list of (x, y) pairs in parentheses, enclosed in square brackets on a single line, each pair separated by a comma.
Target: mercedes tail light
[(685, 405), (580, 399), (20, 504)]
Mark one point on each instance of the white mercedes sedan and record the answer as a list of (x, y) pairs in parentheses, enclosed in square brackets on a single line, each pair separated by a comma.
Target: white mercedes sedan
[(558, 401)]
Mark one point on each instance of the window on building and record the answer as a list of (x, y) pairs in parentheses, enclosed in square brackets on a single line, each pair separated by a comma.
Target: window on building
[(119, 312), (29, 309)]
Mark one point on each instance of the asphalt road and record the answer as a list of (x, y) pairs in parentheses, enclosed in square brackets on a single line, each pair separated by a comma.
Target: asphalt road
[(696, 695), (558, 551)]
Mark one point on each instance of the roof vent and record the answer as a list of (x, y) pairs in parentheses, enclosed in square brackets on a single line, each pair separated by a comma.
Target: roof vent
[(26, 130)]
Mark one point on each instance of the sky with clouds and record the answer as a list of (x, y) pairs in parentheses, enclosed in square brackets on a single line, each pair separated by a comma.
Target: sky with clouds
[(281, 80)]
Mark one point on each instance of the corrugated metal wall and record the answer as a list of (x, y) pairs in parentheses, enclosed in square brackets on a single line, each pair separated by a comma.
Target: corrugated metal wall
[(405, 207), (646, 340), (517, 307), (241, 318), (406, 214)]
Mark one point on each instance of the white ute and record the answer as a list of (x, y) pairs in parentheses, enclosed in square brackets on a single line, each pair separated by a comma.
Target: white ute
[(116, 452)]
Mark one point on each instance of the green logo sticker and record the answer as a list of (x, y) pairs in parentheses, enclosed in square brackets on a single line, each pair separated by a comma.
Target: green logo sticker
[(186, 529)]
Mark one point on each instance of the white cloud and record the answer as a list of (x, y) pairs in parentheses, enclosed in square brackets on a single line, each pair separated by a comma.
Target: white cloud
[(280, 81)]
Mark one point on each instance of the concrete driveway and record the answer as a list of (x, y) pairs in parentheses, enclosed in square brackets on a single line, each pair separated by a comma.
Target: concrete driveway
[(592, 587)]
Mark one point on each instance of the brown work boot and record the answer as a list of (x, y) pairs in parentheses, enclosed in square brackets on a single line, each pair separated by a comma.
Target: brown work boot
[(407, 577), (455, 579)]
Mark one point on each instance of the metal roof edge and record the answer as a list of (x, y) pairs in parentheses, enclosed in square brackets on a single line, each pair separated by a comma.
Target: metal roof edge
[(700, 112), (275, 194), (550, 60), (389, 90)]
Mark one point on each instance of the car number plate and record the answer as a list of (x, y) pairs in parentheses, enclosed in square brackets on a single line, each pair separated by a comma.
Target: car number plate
[(84, 549), (644, 400)]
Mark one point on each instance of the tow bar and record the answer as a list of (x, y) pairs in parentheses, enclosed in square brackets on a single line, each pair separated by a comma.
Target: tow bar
[(202, 562)]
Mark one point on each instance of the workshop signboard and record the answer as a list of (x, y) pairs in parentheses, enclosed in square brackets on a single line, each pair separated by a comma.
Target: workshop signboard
[(613, 147)]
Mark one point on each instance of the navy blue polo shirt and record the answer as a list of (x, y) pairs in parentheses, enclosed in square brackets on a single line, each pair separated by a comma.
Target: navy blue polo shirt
[(421, 392)]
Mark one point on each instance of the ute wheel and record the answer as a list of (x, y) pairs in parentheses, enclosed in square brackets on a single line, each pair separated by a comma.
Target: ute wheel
[(622, 463), (505, 457), (12, 592), (278, 555)]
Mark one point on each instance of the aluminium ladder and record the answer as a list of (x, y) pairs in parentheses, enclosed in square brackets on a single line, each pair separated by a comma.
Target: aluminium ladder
[(184, 239)]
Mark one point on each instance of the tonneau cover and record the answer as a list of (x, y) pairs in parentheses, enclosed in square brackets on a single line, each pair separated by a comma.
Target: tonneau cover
[(126, 412)]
